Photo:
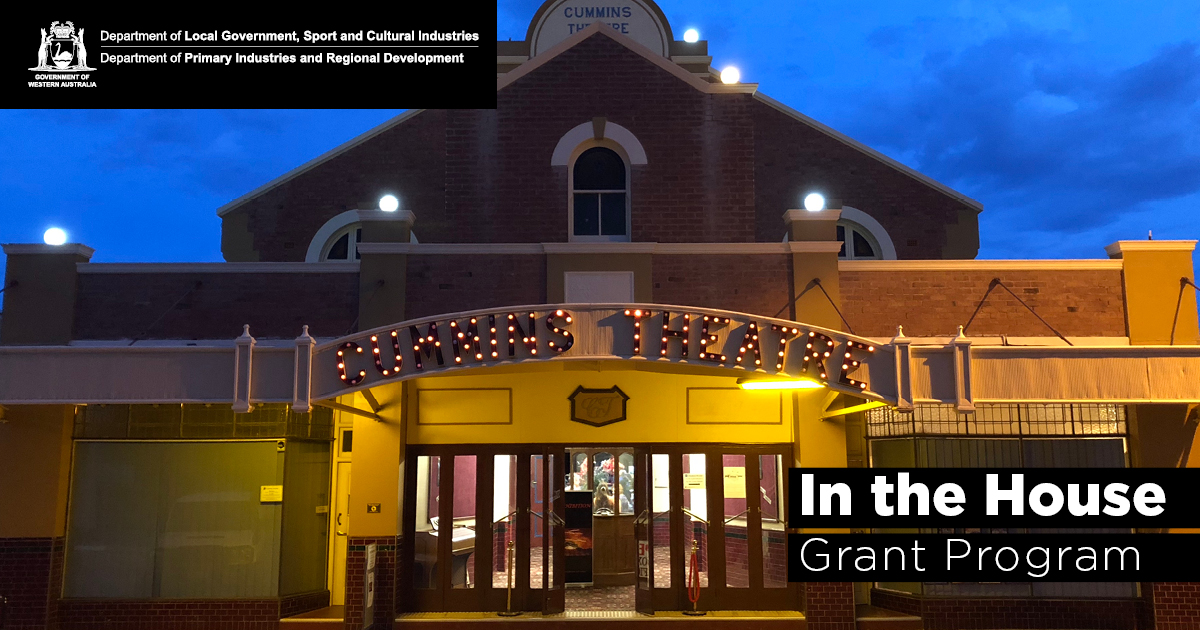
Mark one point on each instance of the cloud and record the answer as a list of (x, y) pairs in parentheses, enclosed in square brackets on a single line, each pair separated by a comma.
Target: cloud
[(1043, 133)]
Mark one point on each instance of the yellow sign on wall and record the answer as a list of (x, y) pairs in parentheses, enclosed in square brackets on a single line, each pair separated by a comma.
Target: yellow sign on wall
[(270, 494)]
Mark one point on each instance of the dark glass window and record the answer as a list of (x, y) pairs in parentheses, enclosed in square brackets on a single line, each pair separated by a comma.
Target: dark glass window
[(340, 249), (600, 190), (862, 249)]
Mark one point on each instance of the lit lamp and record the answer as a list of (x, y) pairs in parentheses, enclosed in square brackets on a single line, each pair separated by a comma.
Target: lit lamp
[(798, 383), (691, 36), (730, 75), (814, 202), (389, 203), (54, 236)]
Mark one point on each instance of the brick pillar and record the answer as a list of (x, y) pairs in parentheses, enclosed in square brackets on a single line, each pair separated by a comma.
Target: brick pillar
[(1175, 605), (1151, 271), (829, 605), (40, 285), (385, 581), (382, 270)]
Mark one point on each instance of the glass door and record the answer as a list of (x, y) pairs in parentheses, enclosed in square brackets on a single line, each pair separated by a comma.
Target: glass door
[(554, 542), (642, 532)]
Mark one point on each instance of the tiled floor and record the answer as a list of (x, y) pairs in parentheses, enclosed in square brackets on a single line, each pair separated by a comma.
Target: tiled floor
[(600, 598)]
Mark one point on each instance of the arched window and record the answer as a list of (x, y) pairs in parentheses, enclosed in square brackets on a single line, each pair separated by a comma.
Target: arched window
[(343, 245), (599, 196), (857, 242)]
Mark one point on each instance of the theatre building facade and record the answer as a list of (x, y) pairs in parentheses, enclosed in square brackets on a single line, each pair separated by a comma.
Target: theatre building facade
[(555, 359)]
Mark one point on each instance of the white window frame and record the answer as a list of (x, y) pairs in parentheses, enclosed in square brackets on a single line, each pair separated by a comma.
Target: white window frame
[(351, 244)]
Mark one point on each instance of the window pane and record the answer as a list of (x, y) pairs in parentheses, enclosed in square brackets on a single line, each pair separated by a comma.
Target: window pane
[(625, 482), (357, 239), (177, 520), (661, 507), (536, 535), (774, 537), (425, 547), (599, 169), (340, 248), (603, 501), (504, 525), (462, 570), (587, 214), (736, 520), (862, 248), (841, 236), (695, 530), (612, 214), (580, 477)]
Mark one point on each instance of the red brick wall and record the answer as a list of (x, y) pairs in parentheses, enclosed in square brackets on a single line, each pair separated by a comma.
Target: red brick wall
[(793, 159), (1176, 605), (449, 284), (829, 605), (760, 285), (1077, 303), (123, 306), (174, 614), (981, 614), (31, 580), (406, 160), (385, 581)]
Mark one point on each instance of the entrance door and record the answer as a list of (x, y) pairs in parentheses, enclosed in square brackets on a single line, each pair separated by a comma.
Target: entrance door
[(642, 532), (553, 543)]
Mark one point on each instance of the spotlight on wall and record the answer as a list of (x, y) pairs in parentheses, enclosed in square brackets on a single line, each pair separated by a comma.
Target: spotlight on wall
[(389, 203), (801, 383), (814, 202), (730, 75), (691, 36), (55, 236)]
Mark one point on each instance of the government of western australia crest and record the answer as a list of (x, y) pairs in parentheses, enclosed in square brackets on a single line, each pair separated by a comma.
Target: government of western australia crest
[(62, 49)]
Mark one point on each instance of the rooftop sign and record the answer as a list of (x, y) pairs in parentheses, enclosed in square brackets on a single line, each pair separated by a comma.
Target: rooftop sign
[(642, 21)]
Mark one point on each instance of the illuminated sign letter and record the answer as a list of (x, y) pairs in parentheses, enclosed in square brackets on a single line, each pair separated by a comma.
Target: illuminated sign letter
[(785, 334), (429, 344), (750, 342), (681, 335), (529, 339), (850, 364), (818, 348), (341, 364), (568, 339), (709, 341), (637, 315), (397, 357)]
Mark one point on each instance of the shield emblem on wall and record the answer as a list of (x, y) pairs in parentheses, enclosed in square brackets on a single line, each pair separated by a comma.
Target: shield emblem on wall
[(598, 407)]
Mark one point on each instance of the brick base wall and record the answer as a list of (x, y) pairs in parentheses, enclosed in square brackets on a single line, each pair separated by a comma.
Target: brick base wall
[(31, 580), (829, 605), (1047, 614), (385, 581)]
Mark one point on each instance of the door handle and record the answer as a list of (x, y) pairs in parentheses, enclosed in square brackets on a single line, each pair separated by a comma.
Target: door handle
[(339, 523)]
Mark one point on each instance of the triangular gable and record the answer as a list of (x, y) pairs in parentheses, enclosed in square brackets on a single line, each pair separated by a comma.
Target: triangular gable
[(317, 161), (600, 28)]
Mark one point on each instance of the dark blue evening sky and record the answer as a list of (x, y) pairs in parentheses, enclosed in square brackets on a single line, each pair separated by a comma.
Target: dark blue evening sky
[(1074, 123)]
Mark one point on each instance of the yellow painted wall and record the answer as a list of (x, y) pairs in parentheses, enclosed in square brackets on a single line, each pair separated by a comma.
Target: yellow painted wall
[(657, 410), (378, 455), (1151, 293), (35, 466)]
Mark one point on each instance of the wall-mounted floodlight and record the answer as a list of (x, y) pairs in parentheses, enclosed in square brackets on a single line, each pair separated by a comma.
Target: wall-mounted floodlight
[(55, 236), (799, 383), (389, 203), (814, 202)]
